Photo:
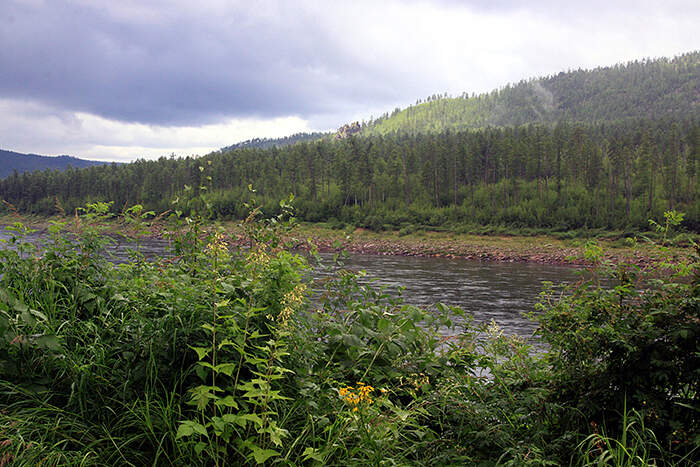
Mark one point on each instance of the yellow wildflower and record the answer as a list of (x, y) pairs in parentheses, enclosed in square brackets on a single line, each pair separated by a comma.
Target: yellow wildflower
[(217, 246), (355, 397), (290, 301), (258, 257), (416, 380)]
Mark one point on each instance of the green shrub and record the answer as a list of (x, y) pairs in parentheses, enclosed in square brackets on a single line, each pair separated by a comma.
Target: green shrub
[(631, 344), (407, 230)]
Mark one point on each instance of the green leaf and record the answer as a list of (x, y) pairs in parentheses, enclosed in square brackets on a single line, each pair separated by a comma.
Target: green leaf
[(27, 318), (20, 307), (227, 401), (201, 395), (202, 352), (189, 427), (251, 417), (311, 453), (228, 342), (39, 315), (219, 425), (184, 430), (351, 340), (199, 447), (225, 368), (261, 455), (233, 418), (117, 297), (49, 342), (276, 433)]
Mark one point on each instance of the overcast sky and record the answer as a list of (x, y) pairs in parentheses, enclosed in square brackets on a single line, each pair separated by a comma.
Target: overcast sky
[(127, 79)]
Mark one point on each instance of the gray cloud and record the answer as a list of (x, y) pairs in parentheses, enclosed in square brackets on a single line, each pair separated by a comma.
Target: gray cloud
[(178, 65)]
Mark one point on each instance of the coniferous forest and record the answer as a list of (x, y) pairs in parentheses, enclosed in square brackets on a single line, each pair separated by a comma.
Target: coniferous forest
[(641, 89), (564, 176)]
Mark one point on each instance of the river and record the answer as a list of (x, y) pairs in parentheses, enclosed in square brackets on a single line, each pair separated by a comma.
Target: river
[(501, 292)]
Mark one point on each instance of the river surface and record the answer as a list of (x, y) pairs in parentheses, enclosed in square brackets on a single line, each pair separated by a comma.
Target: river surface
[(501, 292)]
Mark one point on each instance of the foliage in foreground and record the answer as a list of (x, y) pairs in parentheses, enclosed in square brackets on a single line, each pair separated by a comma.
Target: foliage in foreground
[(219, 357)]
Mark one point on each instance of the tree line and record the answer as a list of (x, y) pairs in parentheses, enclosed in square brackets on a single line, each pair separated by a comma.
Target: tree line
[(558, 177)]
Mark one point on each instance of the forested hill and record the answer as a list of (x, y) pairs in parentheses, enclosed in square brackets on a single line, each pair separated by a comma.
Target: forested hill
[(11, 161), (609, 148), (266, 143), (641, 89)]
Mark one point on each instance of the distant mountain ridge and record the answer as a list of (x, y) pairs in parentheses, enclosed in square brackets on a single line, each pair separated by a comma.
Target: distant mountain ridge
[(11, 161), (659, 88)]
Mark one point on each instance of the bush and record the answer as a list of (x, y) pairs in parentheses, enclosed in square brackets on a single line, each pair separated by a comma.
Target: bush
[(407, 230), (209, 358), (631, 345), (335, 224)]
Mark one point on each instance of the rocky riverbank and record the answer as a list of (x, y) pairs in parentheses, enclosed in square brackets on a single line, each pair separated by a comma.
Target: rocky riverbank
[(537, 249), (499, 248)]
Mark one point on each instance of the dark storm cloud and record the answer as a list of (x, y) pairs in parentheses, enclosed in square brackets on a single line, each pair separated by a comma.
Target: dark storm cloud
[(177, 65)]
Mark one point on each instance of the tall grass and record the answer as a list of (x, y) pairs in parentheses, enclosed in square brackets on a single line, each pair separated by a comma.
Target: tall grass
[(636, 445), (214, 356)]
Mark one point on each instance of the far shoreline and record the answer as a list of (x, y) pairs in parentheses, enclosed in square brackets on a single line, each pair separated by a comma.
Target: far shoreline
[(542, 249)]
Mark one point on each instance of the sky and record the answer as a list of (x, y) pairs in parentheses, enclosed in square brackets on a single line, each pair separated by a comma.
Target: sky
[(140, 79)]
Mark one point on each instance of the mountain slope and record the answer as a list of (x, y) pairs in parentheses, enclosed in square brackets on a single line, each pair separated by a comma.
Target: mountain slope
[(641, 89), (11, 161)]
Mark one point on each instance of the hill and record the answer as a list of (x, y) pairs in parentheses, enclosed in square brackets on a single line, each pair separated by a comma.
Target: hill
[(11, 161), (267, 143), (657, 88)]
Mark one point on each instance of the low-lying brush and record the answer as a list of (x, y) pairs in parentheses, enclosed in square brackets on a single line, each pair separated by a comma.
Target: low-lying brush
[(215, 356)]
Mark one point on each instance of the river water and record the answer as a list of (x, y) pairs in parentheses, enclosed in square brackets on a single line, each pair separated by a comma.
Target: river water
[(501, 292)]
